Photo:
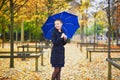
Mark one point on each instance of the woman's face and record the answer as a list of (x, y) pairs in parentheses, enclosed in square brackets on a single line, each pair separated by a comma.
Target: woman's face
[(58, 24)]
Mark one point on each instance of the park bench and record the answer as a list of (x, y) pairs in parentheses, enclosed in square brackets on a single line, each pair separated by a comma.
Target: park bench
[(94, 45), (26, 54), (89, 51), (85, 45), (16, 56), (23, 56), (38, 48), (113, 62)]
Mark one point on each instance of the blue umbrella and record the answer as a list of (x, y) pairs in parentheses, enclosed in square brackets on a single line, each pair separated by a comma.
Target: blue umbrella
[(70, 24)]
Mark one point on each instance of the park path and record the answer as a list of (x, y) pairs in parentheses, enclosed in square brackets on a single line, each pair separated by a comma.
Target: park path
[(77, 67)]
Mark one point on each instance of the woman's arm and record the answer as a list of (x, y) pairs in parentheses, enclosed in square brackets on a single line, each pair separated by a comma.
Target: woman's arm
[(56, 40), (65, 39), (64, 42)]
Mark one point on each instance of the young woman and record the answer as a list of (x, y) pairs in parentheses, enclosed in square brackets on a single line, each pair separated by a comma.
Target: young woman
[(57, 55)]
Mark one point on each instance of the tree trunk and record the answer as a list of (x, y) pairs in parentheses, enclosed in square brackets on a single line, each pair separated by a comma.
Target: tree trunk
[(3, 36), (30, 35), (11, 34), (109, 30), (109, 41), (22, 31), (94, 33), (82, 34), (16, 35), (117, 36), (86, 34)]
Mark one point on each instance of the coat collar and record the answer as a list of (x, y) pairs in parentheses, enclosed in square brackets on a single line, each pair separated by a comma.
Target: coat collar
[(57, 30)]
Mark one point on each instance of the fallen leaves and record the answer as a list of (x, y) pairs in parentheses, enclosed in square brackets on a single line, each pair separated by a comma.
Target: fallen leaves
[(15, 74), (77, 67)]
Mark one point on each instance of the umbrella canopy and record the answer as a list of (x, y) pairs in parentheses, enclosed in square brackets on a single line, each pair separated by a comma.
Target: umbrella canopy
[(70, 24)]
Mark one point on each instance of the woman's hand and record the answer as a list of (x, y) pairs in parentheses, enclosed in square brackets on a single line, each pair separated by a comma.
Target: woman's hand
[(64, 36)]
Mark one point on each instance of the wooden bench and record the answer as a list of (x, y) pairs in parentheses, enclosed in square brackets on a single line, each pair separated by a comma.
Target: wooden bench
[(33, 55), (33, 46), (36, 47), (89, 51), (23, 47), (85, 45), (94, 45), (112, 61)]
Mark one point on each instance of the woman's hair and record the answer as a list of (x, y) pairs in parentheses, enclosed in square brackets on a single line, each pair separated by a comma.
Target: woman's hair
[(58, 20)]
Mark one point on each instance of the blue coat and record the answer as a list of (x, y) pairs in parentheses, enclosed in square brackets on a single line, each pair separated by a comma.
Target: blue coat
[(58, 50)]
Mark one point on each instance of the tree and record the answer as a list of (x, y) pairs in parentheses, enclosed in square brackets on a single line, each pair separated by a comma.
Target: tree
[(3, 2), (83, 9), (11, 33), (4, 23), (3, 20), (109, 43), (12, 7)]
